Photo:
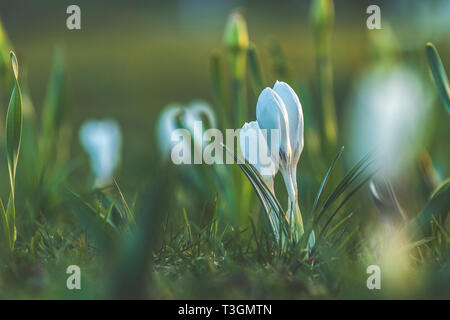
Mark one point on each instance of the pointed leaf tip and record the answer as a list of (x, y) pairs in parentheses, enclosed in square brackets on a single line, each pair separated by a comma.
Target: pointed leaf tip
[(14, 64), (439, 75)]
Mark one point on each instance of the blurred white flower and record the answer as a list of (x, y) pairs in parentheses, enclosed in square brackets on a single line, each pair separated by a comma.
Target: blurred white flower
[(389, 108), (168, 122), (103, 141), (198, 111), (176, 116)]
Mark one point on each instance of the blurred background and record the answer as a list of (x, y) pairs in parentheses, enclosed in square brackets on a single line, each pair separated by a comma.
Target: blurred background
[(131, 59)]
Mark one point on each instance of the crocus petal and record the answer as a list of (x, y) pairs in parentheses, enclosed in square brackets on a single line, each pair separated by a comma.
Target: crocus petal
[(271, 114), (295, 117), (255, 150)]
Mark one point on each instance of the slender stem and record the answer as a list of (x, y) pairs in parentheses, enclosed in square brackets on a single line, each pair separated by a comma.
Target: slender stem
[(238, 65), (296, 220)]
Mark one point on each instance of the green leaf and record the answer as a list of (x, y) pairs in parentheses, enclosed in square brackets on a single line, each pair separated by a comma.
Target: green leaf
[(352, 175), (90, 219), (11, 215), (359, 168), (279, 63), (311, 241), (5, 67), (129, 214), (438, 206), (277, 217), (325, 180), (383, 197), (419, 243), (188, 225), (5, 224), (439, 75), (14, 120), (338, 225), (217, 78), (8, 227), (349, 196), (54, 106), (255, 70)]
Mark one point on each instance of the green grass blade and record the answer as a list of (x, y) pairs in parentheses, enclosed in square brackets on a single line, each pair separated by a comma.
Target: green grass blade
[(218, 85), (5, 224), (188, 225), (11, 215), (441, 229), (439, 75), (338, 225), (255, 70), (128, 212), (279, 63), (360, 167), (383, 196), (265, 195), (438, 205), (325, 180), (54, 107), (348, 197)]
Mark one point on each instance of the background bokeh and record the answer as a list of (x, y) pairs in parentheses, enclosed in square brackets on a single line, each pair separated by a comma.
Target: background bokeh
[(132, 58)]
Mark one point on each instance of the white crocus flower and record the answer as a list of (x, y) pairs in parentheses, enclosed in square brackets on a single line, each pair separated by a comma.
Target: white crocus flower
[(279, 114), (102, 140)]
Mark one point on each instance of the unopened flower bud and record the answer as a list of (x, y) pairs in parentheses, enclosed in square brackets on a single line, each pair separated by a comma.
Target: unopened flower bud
[(236, 35)]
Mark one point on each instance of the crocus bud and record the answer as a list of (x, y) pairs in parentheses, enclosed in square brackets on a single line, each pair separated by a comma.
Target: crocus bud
[(322, 19), (236, 35), (272, 116), (295, 117)]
